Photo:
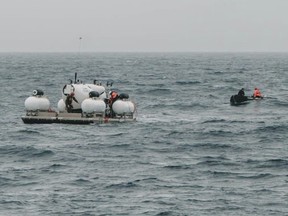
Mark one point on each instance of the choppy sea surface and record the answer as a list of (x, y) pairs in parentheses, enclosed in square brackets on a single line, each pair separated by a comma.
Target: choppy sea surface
[(189, 152)]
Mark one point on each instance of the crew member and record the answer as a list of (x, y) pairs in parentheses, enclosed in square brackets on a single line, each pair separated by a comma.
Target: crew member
[(69, 101), (257, 93), (241, 92), (113, 97)]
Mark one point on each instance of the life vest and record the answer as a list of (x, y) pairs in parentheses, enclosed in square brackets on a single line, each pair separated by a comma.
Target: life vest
[(113, 97), (257, 93)]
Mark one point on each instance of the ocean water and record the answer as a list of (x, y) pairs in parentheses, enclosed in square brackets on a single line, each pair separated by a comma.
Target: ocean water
[(189, 152)]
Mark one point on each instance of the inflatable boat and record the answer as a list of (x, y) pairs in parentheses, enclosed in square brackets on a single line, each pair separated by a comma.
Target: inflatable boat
[(240, 100), (81, 104)]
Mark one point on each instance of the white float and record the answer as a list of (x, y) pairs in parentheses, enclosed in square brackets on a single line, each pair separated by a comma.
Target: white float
[(122, 107), (34, 103), (93, 105)]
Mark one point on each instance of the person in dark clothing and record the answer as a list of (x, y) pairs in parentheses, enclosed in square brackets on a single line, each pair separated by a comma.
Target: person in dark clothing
[(239, 98), (69, 101), (241, 92), (113, 96)]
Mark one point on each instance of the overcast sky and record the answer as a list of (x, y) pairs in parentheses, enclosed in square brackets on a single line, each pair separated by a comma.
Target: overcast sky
[(143, 25)]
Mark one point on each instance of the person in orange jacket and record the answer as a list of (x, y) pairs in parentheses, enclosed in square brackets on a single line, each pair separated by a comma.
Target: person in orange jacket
[(113, 97), (257, 93)]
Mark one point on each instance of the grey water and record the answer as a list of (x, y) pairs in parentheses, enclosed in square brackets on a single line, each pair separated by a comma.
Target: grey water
[(189, 152)]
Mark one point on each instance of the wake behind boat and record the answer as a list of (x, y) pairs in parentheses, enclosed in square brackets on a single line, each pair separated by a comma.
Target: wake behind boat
[(81, 104)]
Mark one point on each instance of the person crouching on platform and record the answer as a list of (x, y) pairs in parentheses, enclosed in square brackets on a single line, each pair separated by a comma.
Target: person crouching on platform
[(69, 100)]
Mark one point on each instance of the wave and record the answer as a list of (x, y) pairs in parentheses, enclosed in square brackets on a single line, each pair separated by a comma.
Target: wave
[(224, 121), (193, 82), (217, 133), (53, 168), (42, 153), (176, 105), (122, 185), (220, 174), (148, 179), (166, 213), (81, 181), (271, 163), (178, 167), (13, 202), (135, 183), (272, 129), (215, 161), (159, 91), (208, 69), (256, 176), (28, 131), (6, 181), (25, 151), (120, 145), (119, 134), (216, 146)]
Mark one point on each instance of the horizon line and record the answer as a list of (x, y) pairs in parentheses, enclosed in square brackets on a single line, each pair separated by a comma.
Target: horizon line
[(77, 52)]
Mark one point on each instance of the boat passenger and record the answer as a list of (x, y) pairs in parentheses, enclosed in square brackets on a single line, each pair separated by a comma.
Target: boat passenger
[(241, 92), (69, 101), (257, 93)]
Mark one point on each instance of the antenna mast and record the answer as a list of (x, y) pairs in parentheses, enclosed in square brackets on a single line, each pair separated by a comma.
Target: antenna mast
[(80, 45)]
